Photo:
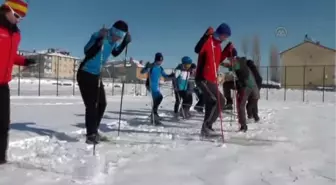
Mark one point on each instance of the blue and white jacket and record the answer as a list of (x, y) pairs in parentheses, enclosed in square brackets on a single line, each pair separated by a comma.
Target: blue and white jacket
[(95, 57), (182, 78)]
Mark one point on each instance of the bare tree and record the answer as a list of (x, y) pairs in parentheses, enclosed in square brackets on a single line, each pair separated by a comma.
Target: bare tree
[(274, 64), (245, 46), (256, 56)]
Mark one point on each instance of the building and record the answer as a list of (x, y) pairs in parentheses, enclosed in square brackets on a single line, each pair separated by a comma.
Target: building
[(308, 65), (52, 63)]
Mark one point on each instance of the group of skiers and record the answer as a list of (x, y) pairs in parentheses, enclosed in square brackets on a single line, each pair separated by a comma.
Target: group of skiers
[(113, 41)]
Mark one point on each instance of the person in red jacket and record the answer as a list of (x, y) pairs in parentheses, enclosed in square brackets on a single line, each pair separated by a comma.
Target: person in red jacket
[(11, 12), (210, 55)]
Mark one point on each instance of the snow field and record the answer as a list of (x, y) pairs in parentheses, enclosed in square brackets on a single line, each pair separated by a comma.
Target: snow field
[(293, 144)]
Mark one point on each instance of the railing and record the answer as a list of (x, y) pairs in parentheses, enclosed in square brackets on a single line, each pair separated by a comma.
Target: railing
[(278, 81)]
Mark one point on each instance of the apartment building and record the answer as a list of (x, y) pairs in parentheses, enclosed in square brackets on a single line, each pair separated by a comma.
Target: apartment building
[(52, 63)]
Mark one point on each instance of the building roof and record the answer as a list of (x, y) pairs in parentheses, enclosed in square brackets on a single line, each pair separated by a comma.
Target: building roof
[(120, 63), (306, 41), (45, 52)]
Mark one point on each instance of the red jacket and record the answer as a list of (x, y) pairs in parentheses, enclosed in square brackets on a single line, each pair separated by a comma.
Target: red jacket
[(209, 58), (9, 42)]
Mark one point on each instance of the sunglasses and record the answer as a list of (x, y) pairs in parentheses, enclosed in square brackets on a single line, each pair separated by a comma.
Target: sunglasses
[(17, 16)]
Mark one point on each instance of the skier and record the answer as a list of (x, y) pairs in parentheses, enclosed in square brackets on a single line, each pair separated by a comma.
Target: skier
[(210, 55), (252, 104), (11, 12), (246, 87), (155, 72), (98, 49), (182, 87)]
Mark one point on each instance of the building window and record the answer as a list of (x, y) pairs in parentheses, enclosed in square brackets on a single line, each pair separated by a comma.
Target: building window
[(310, 69), (311, 56)]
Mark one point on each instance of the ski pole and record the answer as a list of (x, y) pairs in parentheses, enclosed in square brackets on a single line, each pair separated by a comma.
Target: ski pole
[(98, 90), (234, 98), (122, 92), (218, 94)]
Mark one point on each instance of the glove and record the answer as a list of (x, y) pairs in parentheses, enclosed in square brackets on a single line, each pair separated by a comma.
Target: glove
[(103, 33), (29, 62), (127, 39), (209, 31)]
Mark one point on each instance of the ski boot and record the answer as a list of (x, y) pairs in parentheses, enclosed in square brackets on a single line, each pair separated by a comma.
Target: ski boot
[(207, 131), (155, 120), (228, 107), (92, 139), (198, 109), (243, 128)]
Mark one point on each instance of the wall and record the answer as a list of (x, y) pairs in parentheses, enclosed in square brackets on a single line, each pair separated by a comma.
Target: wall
[(308, 66)]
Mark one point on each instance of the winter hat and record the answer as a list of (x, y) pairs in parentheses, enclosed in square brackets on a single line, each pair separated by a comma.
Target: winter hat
[(20, 7), (158, 57), (186, 60), (121, 25), (119, 28), (223, 29)]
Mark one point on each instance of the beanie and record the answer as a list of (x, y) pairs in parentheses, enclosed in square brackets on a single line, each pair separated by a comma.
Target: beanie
[(121, 25), (186, 60), (158, 57), (19, 6), (223, 29)]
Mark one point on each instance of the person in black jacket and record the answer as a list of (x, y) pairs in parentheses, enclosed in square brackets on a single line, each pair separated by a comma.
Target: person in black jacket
[(252, 111), (246, 85)]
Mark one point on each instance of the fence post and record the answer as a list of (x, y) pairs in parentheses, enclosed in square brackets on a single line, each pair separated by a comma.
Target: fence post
[(73, 80), (113, 75), (267, 69), (285, 90), (19, 80), (304, 83), (39, 75), (57, 75), (324, 68)]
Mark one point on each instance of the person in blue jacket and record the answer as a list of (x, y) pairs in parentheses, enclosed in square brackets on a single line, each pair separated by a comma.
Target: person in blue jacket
[(98, 49), (181, 84), (155, 72)]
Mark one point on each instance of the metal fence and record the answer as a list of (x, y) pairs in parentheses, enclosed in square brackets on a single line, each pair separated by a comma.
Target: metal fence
[(303, 80)]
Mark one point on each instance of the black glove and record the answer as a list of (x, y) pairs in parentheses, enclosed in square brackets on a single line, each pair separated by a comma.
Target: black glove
[(29, 62), (103, 33), (127, 38)]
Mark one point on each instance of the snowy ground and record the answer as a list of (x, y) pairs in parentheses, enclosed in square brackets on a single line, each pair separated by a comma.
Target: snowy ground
[(294, 144)]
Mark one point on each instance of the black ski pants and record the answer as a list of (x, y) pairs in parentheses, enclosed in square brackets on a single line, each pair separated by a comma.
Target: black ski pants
[(95, 104), (227, 87), (212, 101), (4, 120), (200, 104), (156, 103), (184, 97)]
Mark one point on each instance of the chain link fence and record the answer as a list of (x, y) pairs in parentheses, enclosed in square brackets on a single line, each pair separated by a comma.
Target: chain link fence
[(57, 77)]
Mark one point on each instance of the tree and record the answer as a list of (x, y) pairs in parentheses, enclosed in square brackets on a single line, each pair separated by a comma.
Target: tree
[(256, 56), (245, 46), (274, 64)]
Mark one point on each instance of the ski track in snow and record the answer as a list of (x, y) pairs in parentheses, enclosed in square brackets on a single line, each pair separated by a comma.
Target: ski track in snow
[(279, 150)]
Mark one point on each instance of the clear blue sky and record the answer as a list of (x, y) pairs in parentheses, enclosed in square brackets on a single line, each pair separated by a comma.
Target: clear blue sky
[(173, 27)]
